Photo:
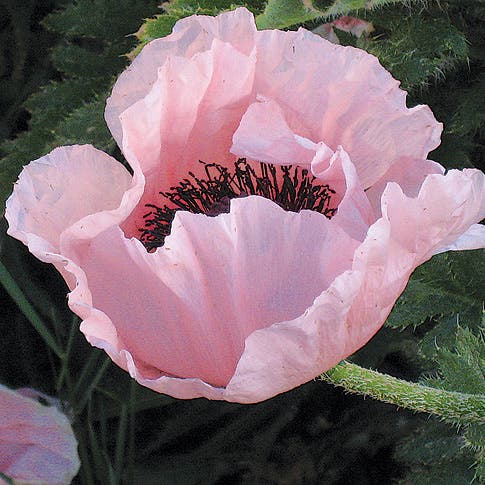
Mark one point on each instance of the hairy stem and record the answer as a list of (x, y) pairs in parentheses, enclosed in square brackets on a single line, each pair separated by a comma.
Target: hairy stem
[(453, 407)]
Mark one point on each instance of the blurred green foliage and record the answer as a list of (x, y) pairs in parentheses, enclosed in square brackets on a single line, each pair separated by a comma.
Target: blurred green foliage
[(313, 434)]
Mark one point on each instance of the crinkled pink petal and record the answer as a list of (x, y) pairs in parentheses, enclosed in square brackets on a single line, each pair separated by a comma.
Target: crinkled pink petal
[(76, 188), (190, 36), (354, 213), (264, 135), (354, 101), (224, 277), (473, 238), (189, 115), (408, 173), (411, 230), (37, 444), (288, 354), (346, 315), (60, 189), (445, 209)]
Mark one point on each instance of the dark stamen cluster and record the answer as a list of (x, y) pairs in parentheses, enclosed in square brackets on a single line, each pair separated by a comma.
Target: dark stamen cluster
[(290, 187)]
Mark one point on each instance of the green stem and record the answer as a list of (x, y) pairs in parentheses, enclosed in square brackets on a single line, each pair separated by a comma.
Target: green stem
[(454, 407), (28, 310)]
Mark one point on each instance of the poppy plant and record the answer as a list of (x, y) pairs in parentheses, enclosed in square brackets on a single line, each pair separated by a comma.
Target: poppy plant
[(37, 444), (279, 200)]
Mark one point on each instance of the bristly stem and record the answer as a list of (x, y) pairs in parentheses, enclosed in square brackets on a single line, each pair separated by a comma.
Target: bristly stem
[(453, 407)]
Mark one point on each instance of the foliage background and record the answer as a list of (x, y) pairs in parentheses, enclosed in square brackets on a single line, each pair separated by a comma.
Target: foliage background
[(58, 61)]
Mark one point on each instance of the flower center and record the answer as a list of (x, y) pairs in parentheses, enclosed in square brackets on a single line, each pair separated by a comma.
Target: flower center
[(292, 188)]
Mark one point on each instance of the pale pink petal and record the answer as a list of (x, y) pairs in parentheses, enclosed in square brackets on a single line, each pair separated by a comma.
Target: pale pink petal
[(354, 101), (346, 315), (188, 116), (288, 354), (264, 135), (409, 173), (446, 208), (473, 238), (190, 36), (60, 189), (37, 444), (409, 233), (224, 276), (354, 213), (74, 189)]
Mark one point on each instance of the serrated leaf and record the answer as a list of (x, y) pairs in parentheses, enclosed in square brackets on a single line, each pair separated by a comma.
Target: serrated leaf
[(160, 26), (100, 19), (435, 454), (450, 283), (78, 62), (464, 369), (469, 118), (52, 104), (419, 49), (434, 443), (211, 7), (155, 28), (442, 335), (86, 125), (280, 14)]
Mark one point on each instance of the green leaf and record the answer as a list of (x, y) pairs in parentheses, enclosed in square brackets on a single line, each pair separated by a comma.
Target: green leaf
[(57, 99), (280, 14), (469, 118), (418, 49), (450, 283), (78, 62), (160, 26), (464, 369), (86, 125), (99, 19), (435, 454)]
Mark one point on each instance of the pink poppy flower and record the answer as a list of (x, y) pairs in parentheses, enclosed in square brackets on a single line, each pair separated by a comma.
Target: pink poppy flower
[(216, 269), (37, 444)]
